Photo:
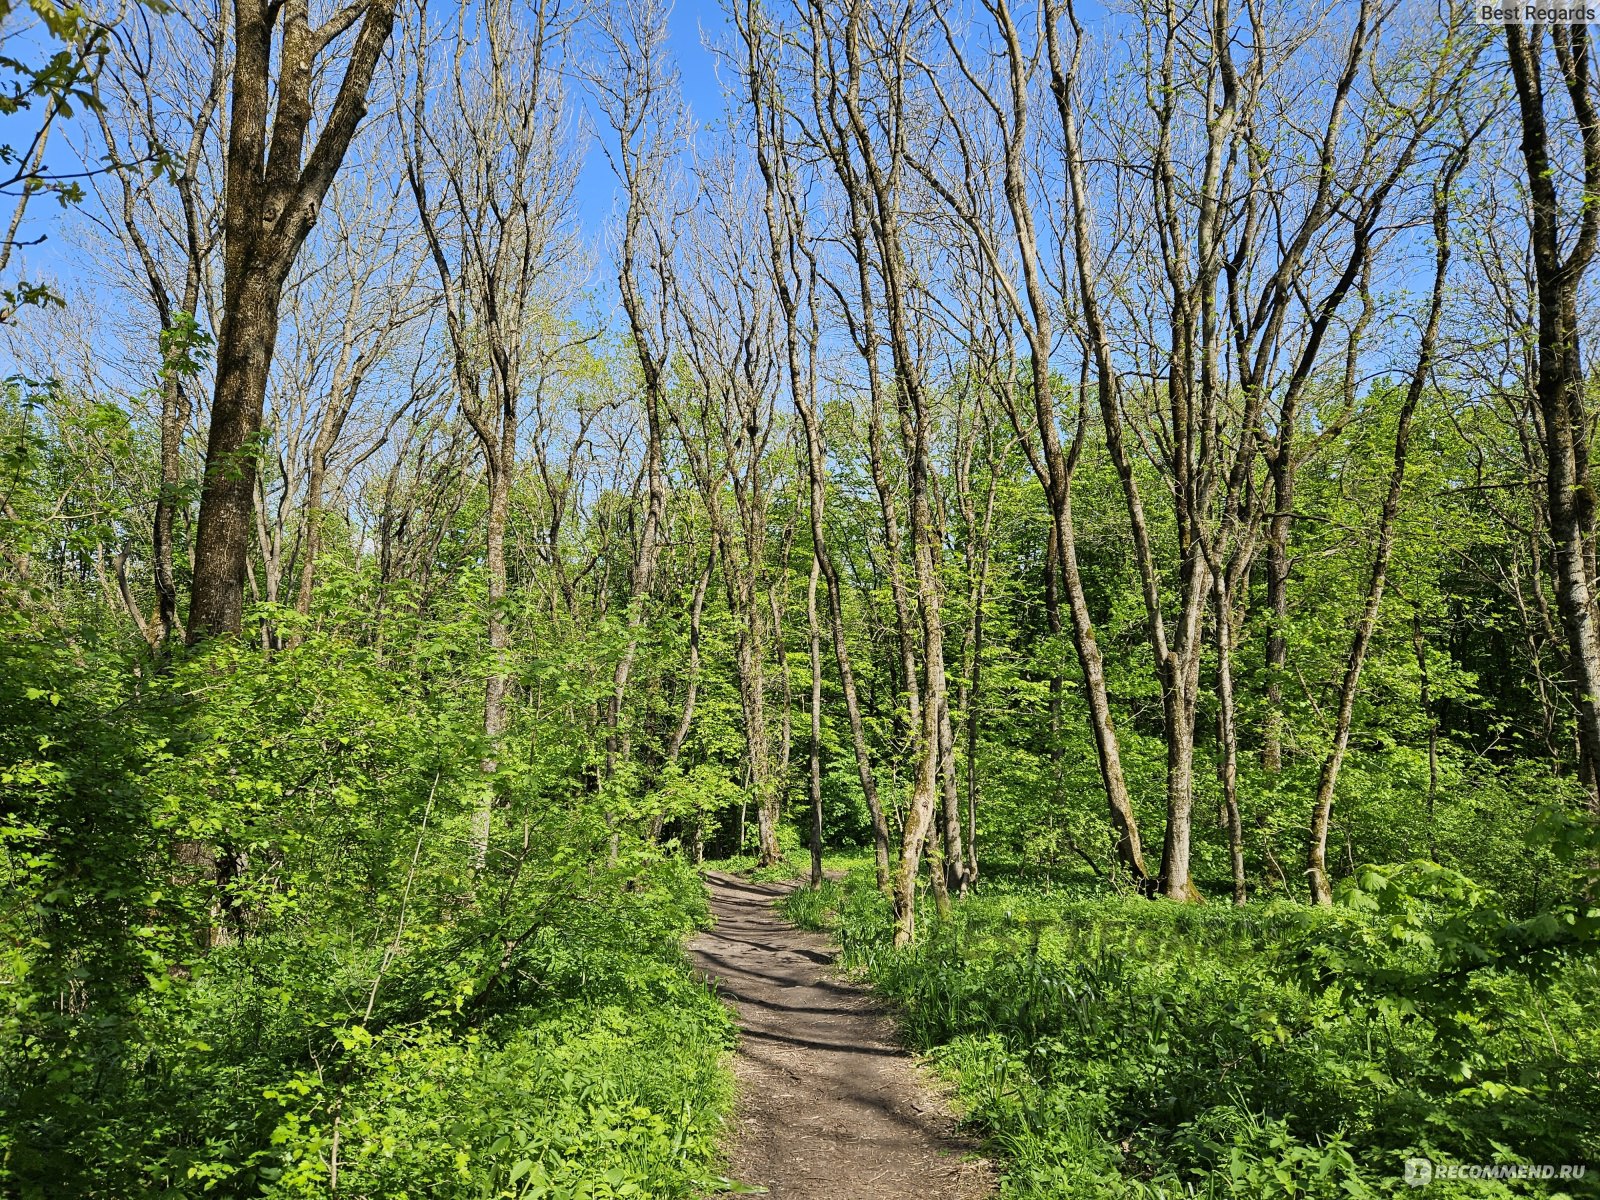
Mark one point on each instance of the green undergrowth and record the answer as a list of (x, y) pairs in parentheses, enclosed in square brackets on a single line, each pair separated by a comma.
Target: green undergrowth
[(341, 1003), (790, 866), (1112, 1046), (794, 861)]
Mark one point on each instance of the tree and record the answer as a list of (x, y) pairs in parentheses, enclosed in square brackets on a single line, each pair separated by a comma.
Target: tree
[(1328, 777), (273, 192), (638, 91), (1559, 380), (492, 176)]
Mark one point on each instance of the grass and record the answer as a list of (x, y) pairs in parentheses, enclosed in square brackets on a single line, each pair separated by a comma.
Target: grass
[(1109, 1046), (795, 860)]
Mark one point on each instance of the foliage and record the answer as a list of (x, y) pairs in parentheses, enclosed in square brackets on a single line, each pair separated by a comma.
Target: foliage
[(241, 947), (1110, 1046)]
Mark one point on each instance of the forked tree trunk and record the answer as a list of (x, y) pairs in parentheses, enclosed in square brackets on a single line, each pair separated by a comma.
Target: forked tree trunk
[(1053, 465), (273, 191)]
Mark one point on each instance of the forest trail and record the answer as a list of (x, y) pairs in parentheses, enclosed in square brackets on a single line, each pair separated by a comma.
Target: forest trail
[(830, 1105)]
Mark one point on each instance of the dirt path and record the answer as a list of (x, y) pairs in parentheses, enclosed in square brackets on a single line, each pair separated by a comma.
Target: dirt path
[(830, 1107)]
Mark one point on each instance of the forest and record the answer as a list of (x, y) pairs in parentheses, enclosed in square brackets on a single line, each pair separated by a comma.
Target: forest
[(1086, 505)]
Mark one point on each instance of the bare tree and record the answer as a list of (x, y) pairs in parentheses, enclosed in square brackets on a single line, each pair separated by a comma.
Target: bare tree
[(729, 337), (366, 303), (1188, 332), (637, 89), (492, 171)]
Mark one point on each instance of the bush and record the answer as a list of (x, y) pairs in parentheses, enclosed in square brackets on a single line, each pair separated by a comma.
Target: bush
[(243, 949)]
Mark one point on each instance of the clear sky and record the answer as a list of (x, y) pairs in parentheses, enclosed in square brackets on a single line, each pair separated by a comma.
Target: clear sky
[(692, 24)]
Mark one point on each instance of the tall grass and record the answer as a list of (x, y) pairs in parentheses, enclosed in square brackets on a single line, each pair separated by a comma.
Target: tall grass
[(1112, 1046)]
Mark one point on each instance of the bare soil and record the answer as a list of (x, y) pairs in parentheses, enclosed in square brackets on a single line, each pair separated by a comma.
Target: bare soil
[(830, 1105)]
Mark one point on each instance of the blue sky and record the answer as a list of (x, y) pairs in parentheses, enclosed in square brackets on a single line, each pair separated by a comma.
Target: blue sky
[(700, 85), (691, 23)]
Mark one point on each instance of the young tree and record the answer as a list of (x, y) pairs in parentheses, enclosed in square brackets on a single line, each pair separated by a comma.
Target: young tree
[(1366, 623), (492, 173)]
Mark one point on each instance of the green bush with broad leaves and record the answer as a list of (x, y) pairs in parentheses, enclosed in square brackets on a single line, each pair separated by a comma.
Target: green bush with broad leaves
[(243, 953)]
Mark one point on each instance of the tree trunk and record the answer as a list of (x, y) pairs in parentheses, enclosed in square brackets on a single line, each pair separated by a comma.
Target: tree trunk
[(785, 235), (1052, 621), (177, 321), (1328, 777), (780, 789), (841, 647), (748, 654), (227, 494), (955, 851), (973, 703), (644, 570), (1180, 687), (311, 537), (815, 641), (1063, 83)]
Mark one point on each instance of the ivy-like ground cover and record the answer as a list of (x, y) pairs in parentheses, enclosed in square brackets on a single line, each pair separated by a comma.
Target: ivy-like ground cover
[(1123, 1048)]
